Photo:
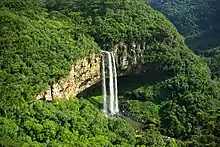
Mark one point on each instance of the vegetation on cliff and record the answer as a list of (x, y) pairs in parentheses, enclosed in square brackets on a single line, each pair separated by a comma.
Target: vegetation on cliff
[(37, 49), (41, 39)]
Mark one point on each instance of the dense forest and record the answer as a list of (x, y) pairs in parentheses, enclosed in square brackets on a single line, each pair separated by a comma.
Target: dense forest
[(198, 21), (41, 39)]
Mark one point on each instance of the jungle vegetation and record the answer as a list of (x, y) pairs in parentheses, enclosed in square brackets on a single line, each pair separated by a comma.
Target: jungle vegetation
[(41, 39), (198, 21)]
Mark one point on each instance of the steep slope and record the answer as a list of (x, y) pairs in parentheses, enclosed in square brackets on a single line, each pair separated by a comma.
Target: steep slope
[(198, 21)]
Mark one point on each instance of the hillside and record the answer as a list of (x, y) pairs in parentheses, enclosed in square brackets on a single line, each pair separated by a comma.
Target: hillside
[(40, 40), (37, 48), (197, 21)]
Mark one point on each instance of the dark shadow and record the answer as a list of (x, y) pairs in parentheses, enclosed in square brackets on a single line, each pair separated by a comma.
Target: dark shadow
[(208, 40), (126, 83)]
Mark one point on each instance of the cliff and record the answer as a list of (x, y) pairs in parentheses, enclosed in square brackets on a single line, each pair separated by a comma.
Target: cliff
[(84, 73)]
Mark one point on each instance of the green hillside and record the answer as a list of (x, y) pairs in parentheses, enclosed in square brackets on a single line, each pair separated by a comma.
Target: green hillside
[(37, 48), (198, 21), (40, 40)]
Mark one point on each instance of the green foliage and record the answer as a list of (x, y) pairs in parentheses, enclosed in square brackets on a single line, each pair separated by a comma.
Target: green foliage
[(37, 49), (66, 123), (38, 46), (145, 112), (214, 63), (186, 92), (114, 21), (151, 138), (21, 4), (198, 21), (186, 14)]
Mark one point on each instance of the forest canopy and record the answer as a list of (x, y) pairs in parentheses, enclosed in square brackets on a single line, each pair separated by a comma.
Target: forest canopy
[(198, 21), (40, 40)]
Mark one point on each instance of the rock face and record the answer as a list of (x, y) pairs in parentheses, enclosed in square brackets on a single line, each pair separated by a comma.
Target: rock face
[(84, 73), (129, 58)]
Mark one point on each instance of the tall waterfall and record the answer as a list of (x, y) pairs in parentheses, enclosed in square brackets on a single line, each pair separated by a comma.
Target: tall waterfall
[(111, 84), (116, 85), (112, 106), (104, 86)]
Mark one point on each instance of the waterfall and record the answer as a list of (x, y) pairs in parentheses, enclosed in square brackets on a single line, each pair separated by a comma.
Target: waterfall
[(111, 84), (112, 106), (104, 86), (116, 110)]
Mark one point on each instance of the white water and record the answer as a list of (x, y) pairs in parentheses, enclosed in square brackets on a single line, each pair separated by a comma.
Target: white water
[(111, 84), (116, 110), (104, 87), (112, 108)]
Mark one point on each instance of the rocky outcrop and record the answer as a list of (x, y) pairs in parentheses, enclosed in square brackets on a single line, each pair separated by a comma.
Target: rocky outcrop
[(84, 73), (129, 58)]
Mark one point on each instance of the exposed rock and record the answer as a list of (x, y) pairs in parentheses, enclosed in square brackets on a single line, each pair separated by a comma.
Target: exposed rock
[(84, 73), (129, 57)]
